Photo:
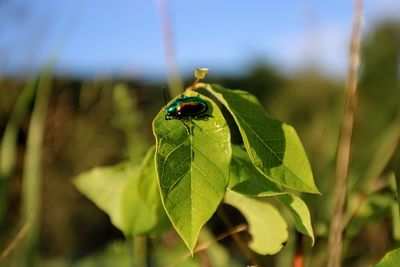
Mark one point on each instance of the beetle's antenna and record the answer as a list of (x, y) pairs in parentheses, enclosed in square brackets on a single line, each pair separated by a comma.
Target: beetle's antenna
[(165, 95)]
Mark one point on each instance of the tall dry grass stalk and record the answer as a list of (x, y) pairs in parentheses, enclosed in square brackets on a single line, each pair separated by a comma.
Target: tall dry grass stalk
[(175, 84), (344, 145)]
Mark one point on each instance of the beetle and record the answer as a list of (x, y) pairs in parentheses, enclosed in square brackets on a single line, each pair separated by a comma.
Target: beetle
[(187, 107)]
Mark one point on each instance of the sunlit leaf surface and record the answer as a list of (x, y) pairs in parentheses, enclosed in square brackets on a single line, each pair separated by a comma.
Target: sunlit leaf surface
[(273, 146), (245, 179), (104, 186), (391, 259), (141, 207), (266, 226), (192, 168)]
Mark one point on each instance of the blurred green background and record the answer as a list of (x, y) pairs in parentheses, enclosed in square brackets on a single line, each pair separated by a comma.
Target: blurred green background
[(57, 122)]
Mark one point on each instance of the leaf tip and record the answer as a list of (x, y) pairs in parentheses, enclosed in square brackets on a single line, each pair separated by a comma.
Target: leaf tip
[(312, 189), (76, 181), (311, 236), (317, 192), (190, 246)]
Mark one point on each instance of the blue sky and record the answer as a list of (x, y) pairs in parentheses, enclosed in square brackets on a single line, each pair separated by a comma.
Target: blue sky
[(100, 37)]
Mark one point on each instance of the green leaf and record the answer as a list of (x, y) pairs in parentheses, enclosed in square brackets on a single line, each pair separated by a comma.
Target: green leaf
[(116, 254), (192, 168), (200, 73), (391, 259), (104, 186), (273, 146), (142, 210), (128, 194), (266, 226), (245, 179), (300, 214)]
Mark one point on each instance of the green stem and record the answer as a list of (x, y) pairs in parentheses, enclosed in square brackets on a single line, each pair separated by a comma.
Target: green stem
[(32, 172), (395, 183), (139, 244), (9, 139), (8, 145)]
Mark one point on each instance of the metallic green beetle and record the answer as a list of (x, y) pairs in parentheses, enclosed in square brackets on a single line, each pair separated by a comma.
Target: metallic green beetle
[(187, 107)]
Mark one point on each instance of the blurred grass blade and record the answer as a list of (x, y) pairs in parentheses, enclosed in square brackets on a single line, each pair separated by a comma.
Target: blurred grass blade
[(8, 145), (373, 208), (395, 165), (388, 141), (128, 118), (9, 139), (394, 184), (32, 171)]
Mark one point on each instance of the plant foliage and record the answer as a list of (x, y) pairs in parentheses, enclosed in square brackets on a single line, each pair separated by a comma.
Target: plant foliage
[(194, 168)]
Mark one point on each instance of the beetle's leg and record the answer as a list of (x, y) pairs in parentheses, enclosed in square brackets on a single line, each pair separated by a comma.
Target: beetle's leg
[(167, 117), (192, 124), (203, 116), (187, 127)]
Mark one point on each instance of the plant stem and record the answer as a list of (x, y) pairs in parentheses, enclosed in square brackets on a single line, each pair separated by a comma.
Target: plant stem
[(8, 145), (298, 260), (395, 209), (395, 177), (174, 80), (204, 246), (344, 146), (20, 235), (139, 244), (32, 171), (9, 139)]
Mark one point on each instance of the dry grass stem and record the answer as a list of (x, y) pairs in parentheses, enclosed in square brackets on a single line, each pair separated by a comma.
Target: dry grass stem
[(21, 234), (344, 146)]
